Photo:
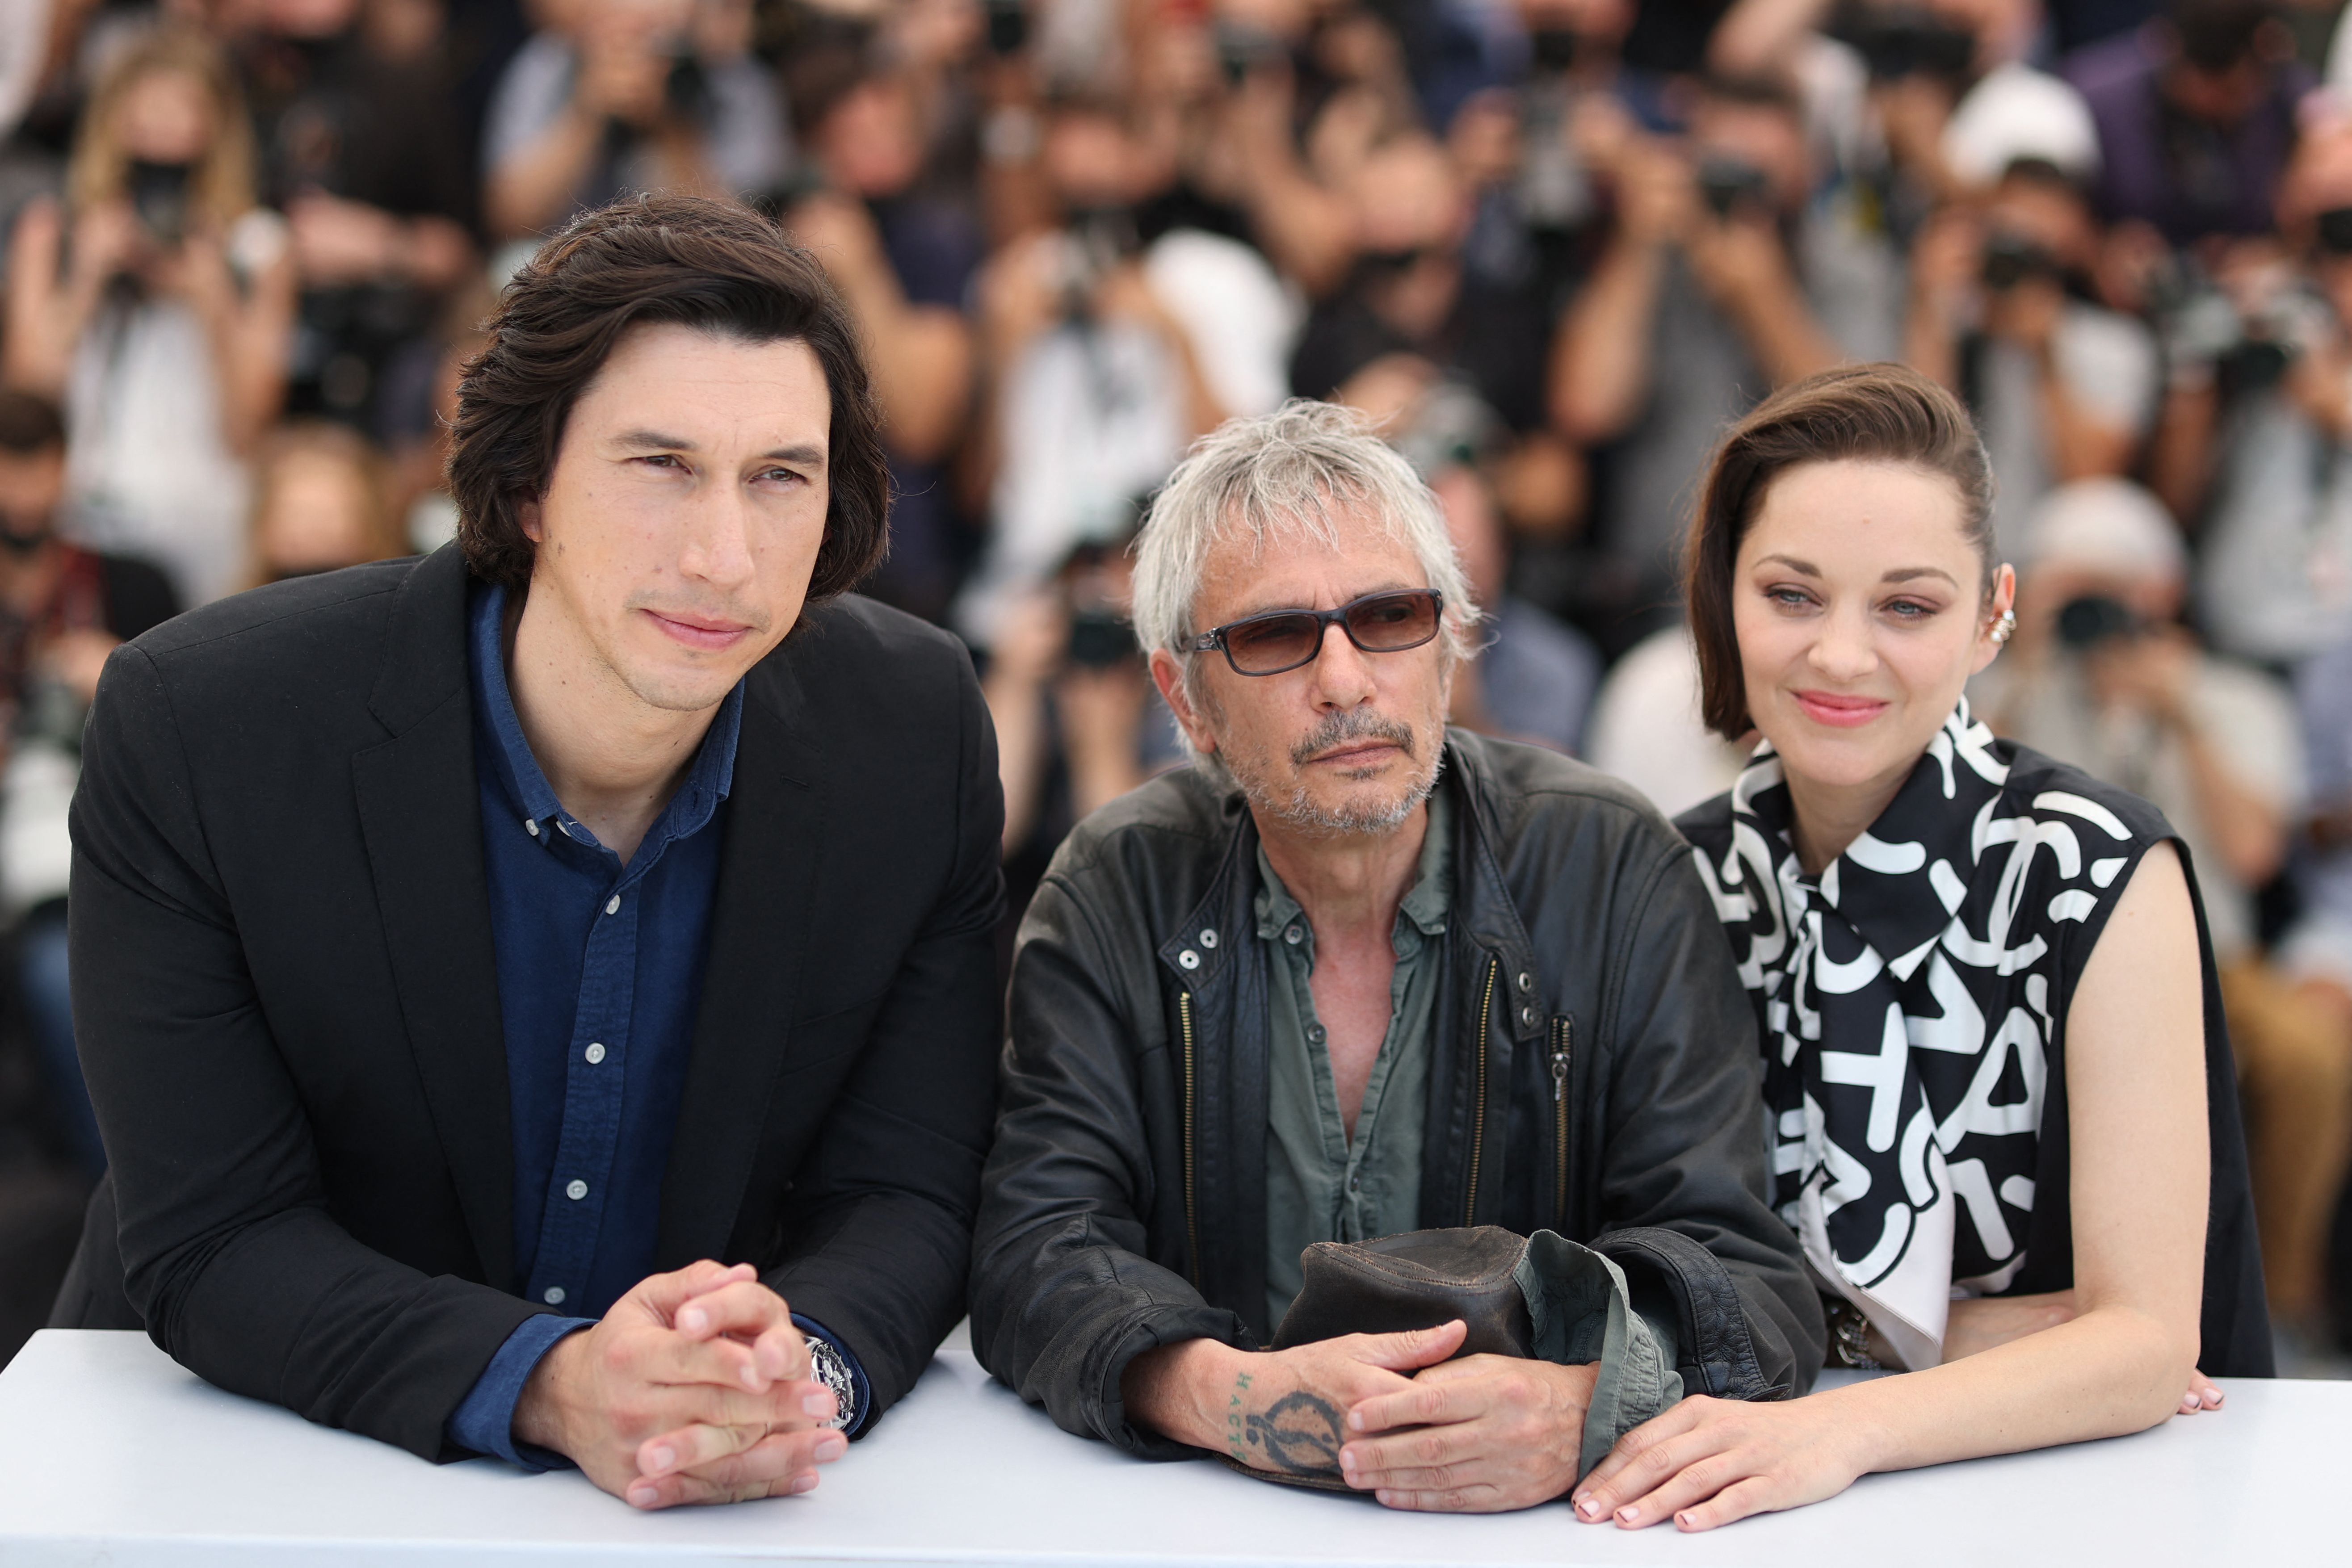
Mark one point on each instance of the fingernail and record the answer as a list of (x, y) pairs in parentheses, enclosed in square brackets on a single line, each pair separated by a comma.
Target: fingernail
[(1629, 1513), (1685, 1520), (1354, 1421), (642, 1497), (819, 1405), (802, 1483), (752, 1378), (694, 1320), (1588, 1507), (1347, 1460), (830, 1446), (663, 1459)]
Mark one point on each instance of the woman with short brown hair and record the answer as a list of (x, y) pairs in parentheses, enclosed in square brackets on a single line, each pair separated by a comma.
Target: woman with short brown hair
[(2004, 1118)]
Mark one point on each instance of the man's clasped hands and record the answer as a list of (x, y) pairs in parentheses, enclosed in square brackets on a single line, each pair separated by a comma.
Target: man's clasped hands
[(696, 1387)]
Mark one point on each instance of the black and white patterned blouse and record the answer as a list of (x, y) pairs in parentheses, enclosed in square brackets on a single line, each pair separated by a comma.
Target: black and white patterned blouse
[(1913, 999)]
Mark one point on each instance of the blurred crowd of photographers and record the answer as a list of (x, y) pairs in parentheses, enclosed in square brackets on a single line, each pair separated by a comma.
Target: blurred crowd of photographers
[(1552, 245)]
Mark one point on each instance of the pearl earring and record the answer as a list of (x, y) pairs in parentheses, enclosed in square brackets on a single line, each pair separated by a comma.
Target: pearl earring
[(2006, 627)]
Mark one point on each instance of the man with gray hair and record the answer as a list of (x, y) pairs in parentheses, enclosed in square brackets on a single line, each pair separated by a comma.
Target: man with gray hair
[(1353, 975)]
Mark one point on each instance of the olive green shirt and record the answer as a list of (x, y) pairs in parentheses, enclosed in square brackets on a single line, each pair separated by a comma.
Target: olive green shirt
[(1318, 1186)]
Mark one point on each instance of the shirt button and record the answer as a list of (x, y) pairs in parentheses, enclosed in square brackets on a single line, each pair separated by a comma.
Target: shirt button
[(564, 826), (552, 1295), (1208, 938), (1293, 935), (1316, 1034), (576, 1191), (613, 904), (594, 1054), (531, 827), (1188, 959)]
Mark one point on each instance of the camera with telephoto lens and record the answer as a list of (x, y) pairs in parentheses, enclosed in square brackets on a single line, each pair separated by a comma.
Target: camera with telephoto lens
[(2248, 336), (1730, 185), (1244, 50), (159, 195), (685, 89), (2011, 259), (1099, 639), (1553, 50), (1008, 28), (2094, 620), (1098, 240), (1906, 41), (2333, 229)]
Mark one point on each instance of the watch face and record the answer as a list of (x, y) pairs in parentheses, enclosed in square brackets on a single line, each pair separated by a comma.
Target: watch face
[(828, 1367)]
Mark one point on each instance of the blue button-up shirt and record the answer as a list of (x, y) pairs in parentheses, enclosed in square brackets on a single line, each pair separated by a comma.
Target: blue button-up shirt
[(600, 975)]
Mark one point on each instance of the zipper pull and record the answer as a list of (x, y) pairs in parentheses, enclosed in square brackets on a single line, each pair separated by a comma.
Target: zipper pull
[(1559, 1062)]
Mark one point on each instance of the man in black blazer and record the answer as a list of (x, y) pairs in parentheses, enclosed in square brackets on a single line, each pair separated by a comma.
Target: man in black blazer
[(470, 956)]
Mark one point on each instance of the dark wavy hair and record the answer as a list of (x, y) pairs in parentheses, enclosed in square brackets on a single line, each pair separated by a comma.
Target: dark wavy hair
[(1870, 414), (687, 261)]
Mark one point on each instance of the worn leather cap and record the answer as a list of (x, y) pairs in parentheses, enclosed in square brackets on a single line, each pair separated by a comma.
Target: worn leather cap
[(1417, 1279)]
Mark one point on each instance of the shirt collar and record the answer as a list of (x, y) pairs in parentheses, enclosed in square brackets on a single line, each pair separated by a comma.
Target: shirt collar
[(708, 780), (1932, 826), (1426, 902)]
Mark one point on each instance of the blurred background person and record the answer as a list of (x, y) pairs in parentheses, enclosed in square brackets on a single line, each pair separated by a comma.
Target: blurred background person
[(2315, 953), (63, 609), (2002, 313), (2317, 948), (319, 504), (1645, 727), (1699, 304), (2196, 112), (1534, 676), (158, 302), (903, 257), (628, 95), (2103, 674), (2258, 409), (369, 159), (1092, 381), (1078, 721)]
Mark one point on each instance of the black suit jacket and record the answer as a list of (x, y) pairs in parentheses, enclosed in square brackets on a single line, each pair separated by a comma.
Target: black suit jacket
[(287, 999)]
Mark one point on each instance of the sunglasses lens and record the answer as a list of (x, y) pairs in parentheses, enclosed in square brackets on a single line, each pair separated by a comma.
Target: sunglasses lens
[(1394, 621), (1273, 643)]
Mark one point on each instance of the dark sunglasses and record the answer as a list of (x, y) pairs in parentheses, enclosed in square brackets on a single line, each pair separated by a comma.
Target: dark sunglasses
[(1286, 639)]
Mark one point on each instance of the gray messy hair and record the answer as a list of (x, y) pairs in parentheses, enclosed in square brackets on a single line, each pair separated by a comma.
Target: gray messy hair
[(1298, 471)]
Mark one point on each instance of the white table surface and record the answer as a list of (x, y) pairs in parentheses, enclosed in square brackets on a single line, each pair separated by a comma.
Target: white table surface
[(111, 1454)]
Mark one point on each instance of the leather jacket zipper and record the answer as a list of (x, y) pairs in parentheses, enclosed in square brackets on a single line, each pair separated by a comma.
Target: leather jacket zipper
[(1192, 1225), (1563, 1035), (1478, 1122)]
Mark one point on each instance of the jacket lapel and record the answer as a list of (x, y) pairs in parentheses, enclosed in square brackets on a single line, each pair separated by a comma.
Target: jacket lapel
[(421, 815), (759, 936)]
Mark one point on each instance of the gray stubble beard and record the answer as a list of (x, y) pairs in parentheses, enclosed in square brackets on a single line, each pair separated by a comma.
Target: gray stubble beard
[(1299, 811)]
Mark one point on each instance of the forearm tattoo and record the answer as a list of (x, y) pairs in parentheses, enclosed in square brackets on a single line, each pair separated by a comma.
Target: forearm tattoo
[(1298, 1434)]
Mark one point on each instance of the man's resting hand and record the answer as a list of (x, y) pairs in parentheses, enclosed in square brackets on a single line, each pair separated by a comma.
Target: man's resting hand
[(695, 1387), (1481, 1435), (1380, 1411)]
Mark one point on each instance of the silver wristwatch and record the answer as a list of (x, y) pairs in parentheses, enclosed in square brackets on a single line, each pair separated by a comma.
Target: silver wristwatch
[(828, 1366)]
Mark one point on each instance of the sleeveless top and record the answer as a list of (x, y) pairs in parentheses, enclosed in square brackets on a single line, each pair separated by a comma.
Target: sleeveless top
[(1913, 1003)]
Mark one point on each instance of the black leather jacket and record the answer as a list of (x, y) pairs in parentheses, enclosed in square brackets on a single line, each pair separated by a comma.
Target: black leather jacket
[(1595, 1072)]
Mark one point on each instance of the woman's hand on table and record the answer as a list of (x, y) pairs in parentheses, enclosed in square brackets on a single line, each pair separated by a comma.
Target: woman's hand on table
[(1708, 1462)]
